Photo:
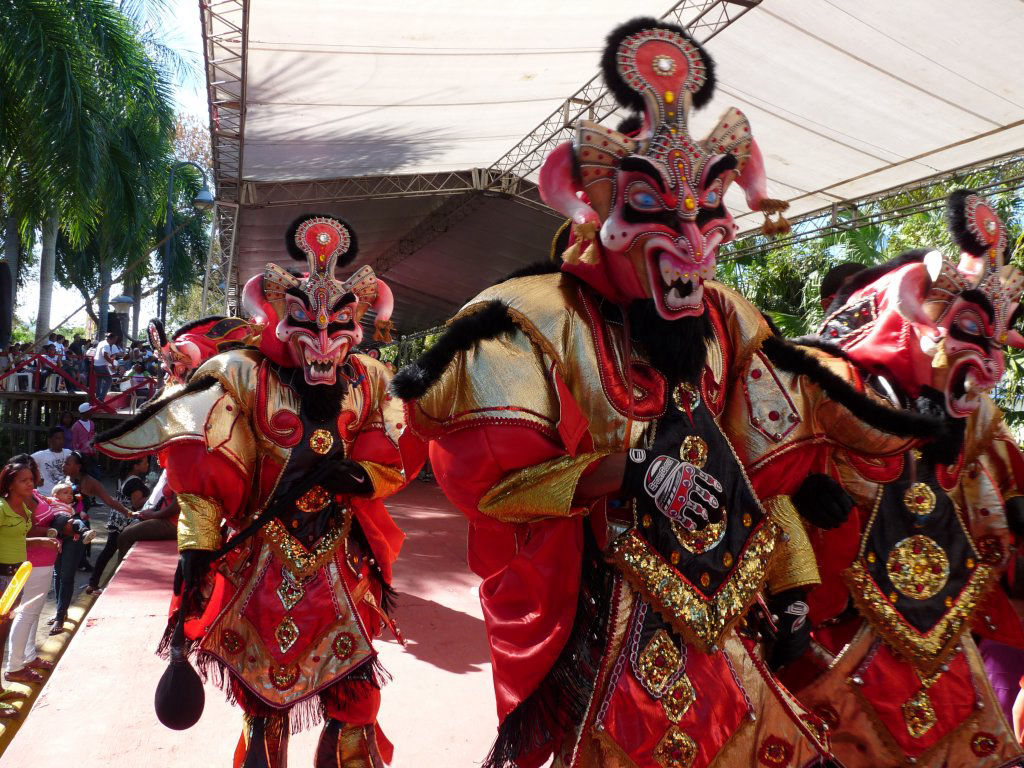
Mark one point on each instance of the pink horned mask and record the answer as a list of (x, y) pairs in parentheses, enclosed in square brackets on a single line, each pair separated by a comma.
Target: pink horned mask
[(313, 321), (648, 210), (937, 323)]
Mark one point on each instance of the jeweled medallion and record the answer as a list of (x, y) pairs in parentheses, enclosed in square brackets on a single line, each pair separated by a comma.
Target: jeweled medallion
[(321, 441)]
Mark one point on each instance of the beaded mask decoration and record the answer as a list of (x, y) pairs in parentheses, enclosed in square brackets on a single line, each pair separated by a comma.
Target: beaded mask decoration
[(316, 318), (647, 207), (940, 322)]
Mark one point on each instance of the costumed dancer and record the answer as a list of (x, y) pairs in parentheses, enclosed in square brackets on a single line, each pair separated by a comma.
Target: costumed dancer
[(293, 444), (574, 415), (896, 380)]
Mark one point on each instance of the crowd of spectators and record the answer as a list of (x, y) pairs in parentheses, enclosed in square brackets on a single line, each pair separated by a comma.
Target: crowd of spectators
[(53, 505), (107, 360)]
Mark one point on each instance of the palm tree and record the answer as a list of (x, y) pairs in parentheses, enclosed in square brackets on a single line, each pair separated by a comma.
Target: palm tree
[(85, 125)]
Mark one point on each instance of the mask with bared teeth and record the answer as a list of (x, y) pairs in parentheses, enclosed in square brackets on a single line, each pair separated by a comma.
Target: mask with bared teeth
[(647, 209), (312, 321)]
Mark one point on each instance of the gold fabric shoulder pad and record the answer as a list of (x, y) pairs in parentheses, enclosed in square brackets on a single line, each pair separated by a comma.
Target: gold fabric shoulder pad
[(745, 327), (506, 379)]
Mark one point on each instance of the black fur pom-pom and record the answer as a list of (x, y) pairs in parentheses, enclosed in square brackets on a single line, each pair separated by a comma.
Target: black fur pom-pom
[(296, 253), (956, 218), (622, 91), (630, 125)]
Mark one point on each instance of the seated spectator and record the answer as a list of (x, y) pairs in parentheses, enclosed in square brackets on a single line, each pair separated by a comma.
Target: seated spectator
[(73, 549), (158, 519), (132, 492), (48, 359), (66, 422), (141, 380)]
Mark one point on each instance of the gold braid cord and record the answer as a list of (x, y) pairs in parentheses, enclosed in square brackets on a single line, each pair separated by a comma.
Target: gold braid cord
[(794, 564), (199, 522)]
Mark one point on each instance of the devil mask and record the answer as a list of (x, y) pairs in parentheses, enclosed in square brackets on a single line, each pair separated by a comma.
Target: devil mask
[(193, 344), (648, 209), (313, 321), (933, 322)]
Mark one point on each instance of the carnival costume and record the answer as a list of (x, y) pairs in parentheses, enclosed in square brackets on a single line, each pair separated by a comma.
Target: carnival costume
[(613, 620), (895, 380), (293, 443)]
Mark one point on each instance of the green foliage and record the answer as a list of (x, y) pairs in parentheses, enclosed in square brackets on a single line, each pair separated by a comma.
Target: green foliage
[(784, 280)]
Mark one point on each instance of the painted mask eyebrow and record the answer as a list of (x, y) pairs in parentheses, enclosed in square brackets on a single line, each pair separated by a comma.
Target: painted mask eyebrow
[(646, 167), (345, 298), (977, 297)]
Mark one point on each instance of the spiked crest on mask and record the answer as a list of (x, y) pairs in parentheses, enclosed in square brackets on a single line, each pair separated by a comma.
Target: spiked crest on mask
[(648, 210), (313, 321), (937, 322)]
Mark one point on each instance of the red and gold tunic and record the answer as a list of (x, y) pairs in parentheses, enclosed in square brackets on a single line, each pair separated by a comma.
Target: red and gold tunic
[(295, 607), (516, 420), (893, 669)]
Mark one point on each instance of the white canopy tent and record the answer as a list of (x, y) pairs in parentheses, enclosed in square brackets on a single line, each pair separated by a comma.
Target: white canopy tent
[(424, 124)]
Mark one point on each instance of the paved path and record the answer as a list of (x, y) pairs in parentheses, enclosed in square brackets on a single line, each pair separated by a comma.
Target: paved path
[(97, 708)]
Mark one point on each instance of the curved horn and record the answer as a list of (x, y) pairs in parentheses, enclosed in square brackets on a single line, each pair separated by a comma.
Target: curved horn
[(753, 180), (908, 293), (560, 190), (1014, 339), (383, 306)]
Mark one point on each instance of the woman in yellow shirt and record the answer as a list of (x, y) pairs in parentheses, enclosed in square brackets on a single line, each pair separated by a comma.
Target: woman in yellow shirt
[(16, 484)]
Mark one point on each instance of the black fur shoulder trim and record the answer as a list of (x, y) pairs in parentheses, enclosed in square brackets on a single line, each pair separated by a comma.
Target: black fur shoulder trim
[(491, 321), (630, 125), (791, 358), (625, 94), (196, 385)]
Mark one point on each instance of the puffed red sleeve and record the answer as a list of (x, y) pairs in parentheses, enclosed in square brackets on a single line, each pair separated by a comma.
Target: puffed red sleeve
[(530, 571)]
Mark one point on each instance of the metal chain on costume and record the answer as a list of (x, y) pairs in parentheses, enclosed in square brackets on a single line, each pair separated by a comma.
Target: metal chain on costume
[(634, 648), (751, 712)]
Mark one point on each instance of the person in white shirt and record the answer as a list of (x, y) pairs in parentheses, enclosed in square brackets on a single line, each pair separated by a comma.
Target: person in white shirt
[(51, 460), (103, 364)]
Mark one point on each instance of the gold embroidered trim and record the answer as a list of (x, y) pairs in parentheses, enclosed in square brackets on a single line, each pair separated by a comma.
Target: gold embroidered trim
[(676, 749), (794, 564), (930, 650), (313, 500), (198, 522), (679, 699), (287, 633), (658, 662), (918, 567), (302, 561), (700, 620), (543, 490), (386, 480)]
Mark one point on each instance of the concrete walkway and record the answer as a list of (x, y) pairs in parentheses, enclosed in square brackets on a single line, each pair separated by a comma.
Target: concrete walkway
[(97, 707)]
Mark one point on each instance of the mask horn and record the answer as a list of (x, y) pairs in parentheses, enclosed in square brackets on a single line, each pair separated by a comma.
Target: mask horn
[(1015, 339), (754, 182), (560, 190), (908, 295), (383, 306)]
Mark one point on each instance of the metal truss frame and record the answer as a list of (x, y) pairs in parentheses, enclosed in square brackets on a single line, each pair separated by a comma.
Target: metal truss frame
[(508, 175), (225, 27), (824, 222)]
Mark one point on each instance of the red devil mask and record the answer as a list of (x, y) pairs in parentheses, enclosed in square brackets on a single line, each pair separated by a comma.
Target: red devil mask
[(936, 322), (195, 343), (313, 321), (648, 210)]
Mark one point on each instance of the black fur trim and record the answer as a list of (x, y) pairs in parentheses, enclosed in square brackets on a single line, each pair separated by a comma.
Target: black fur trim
[(838, 275), (299, 255), (559, 703), (537, 268), (623, 92), (157, 325), (491, 321), (630, 125), (196, 385), (865, 277), (791, 358), (956, 220), (196, 323), (825, 346)]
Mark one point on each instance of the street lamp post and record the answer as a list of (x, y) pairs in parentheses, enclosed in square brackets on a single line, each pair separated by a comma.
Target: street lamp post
[(203, 201)]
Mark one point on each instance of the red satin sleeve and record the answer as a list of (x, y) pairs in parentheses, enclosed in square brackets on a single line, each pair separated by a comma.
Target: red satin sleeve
[(530, 571), (220, 480)]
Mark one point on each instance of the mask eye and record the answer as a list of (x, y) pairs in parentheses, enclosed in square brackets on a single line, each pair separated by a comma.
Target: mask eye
[(969, 324), (642, 198), (343, 316), (300, 314)]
